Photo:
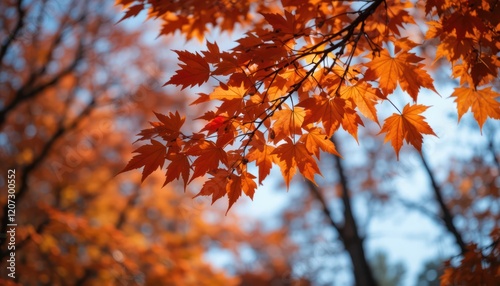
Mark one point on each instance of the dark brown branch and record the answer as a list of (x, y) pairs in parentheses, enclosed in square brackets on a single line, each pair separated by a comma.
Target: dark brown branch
[(446, 215), (12, 36), (420, 208), (348, 231), (494, 154), (39, 229), (353, 242), (30, 87), (132, 200), (23, 95), (324, 207)]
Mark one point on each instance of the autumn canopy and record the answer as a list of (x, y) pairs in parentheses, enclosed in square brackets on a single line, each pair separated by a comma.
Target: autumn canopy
[(359, 138), (302, 70)]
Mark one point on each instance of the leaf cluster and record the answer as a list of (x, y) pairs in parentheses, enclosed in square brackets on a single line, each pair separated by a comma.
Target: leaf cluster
[(302, 71)]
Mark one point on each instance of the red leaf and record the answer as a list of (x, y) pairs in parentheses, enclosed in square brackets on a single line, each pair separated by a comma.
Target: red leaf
[(132, 11), (150, 156), (178, 166), (194, 70), (215, 124)]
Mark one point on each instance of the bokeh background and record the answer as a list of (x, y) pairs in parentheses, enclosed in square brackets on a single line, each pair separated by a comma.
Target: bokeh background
[(76, 87)]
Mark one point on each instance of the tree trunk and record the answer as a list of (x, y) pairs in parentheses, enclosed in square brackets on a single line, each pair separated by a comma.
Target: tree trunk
[(353, 242), (348, 230)]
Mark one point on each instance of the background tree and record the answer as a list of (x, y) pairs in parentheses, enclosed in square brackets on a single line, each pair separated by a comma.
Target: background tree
[(74, 85), (299, 73)]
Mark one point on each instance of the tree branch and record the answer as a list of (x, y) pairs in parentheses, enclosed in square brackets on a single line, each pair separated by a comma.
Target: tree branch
[(23, 95), (131, 201), (446, 215), (12, 36), (420, 208), (324, 207), (348, 232)]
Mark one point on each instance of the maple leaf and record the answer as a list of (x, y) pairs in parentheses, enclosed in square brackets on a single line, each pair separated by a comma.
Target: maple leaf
[(482, 102), (317, 140), (463, 24), (288, 122), (398, 15), (233, 190), (329, 111), (209, 156), (262, 154), (430, 4), (292, 156), (232, 98), (178, 166), (215, 186), (132, 11), (402, 68), (169, 127), (286, 25), (235, 184), (172, 124), (194, 70), (364, 96), (224, 182), (229, 92), (213, 54), (215, 124), (248, 184), (150, 156), (408, 125), (351, 121)]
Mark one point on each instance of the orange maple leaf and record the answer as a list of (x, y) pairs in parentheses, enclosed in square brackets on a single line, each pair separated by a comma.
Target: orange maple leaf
[(402, 68), (317, 140), (248, 184), (351, 121), (235, 184), (229, 92), (329, 111), (408, 125), (364, 96), (286, 25), (209, 156), (194, 70), (288, 122), (261, 153), (481, 101), (215, 186), (224, 182), (292, 156), (150, 156)]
